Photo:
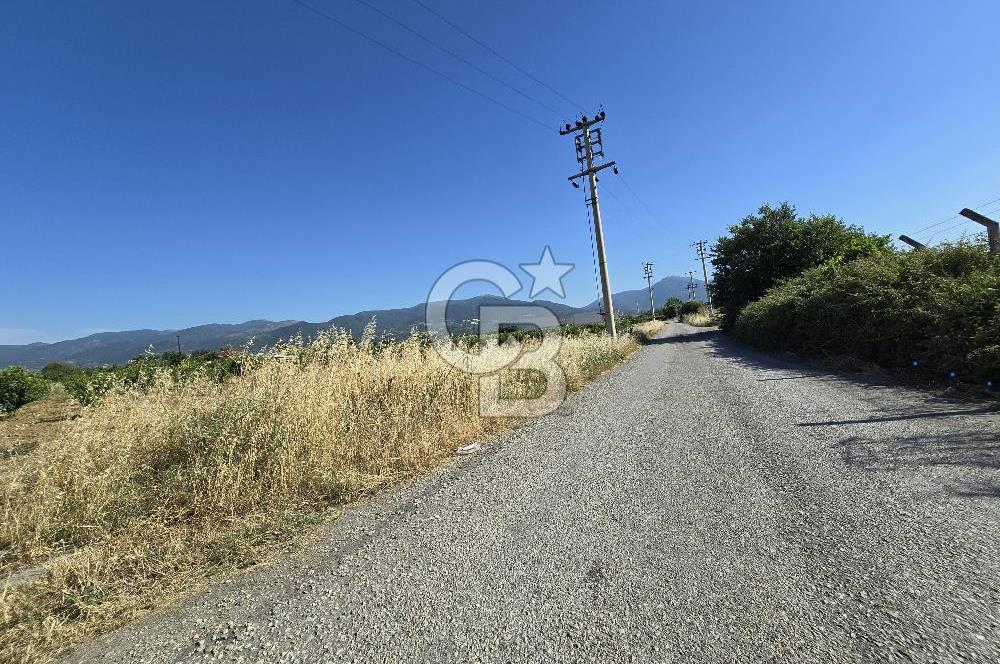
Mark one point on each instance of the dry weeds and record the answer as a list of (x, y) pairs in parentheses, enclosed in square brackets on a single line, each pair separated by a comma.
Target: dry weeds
[(150, 492)]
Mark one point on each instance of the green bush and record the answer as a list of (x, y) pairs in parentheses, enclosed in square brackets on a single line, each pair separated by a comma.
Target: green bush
[(88, 384), (692, 307), (19, 386), (939, 308), (672, 309), (775, 244)]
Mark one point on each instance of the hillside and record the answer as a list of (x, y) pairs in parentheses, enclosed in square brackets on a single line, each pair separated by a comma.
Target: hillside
[(663, 289), (120, 347)]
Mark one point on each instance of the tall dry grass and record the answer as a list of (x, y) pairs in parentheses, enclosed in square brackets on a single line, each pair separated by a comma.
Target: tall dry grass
[(154, 489)]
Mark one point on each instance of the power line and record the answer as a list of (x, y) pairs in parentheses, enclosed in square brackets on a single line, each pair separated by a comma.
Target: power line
[(459, 28), (420, 64), (458, 57), (624, 205), (945, 230), (631, 215), (955, 216), (964, 221), (593, 250), (638, 198)]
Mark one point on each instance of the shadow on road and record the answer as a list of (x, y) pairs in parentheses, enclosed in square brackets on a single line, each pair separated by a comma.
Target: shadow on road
[(977, 449), (979, 490), (899, 418), (686, 338), (944, 441)]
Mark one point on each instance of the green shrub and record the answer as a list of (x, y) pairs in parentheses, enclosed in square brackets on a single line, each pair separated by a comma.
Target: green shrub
[(19, 386), (692, 307), (672, 309), (939, 308), (775, 244), (87, 385), (58, 371)]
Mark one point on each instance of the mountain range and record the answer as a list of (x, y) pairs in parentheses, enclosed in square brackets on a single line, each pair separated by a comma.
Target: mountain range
[(664, 289), (120, 347)]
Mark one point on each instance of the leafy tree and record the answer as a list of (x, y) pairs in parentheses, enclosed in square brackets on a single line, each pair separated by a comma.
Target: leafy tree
[(19, 386), (58, 371), (692, 307), (672, 309), (765, 248)]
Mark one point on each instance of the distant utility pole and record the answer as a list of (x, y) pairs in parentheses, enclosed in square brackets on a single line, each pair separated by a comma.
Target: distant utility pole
[(648, 267), (919, 246), (992, 228), (587, 140), (692, 287), (701, 244), (178, 343)]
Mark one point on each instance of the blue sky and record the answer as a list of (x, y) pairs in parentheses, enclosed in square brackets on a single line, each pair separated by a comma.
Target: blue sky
[(171, 164)]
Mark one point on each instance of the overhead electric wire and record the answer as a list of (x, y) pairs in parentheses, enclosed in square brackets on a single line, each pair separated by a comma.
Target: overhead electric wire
[(936, 233), (630, 215), (638, 198), (593, 251), (400, 54), (461, 30), (946, 230), (954, 216), (457, 56)]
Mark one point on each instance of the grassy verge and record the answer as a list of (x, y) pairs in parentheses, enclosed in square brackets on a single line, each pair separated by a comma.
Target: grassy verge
[(699, 317), (155, 489)]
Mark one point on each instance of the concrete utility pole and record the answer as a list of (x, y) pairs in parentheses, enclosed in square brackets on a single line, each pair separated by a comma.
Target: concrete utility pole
[(692, 287), (586, 141), (701, 244), (992, 228), (648, 267), (919, 246)]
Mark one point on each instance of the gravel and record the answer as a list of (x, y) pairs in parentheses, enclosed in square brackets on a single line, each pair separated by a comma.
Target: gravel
[(700, 502)]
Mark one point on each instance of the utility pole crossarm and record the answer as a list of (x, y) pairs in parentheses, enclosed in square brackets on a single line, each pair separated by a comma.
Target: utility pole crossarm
[(595, 169), (582, 123), (992, 228)]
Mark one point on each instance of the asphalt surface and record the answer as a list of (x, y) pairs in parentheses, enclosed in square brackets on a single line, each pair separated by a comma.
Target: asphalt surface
[(698, 503)]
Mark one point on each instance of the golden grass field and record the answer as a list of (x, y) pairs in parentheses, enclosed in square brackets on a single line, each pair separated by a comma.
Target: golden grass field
[(146, 494)]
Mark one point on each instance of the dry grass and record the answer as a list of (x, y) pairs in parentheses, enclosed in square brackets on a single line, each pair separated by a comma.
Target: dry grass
[(699, 319), (22, 430), (155, 490)]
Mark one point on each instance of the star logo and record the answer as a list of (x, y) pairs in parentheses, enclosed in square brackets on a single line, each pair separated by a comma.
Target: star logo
[(546, 274)]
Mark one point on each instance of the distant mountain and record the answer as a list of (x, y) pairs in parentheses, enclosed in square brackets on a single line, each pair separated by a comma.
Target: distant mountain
[(663, 289), (120, 347)]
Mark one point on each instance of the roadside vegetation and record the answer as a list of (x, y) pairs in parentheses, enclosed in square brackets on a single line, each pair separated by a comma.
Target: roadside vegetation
[(697, 314), (775, 244), (168, 477), (854, 299), (19, 386)]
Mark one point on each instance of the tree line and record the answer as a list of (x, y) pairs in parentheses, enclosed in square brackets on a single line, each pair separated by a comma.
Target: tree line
[(822, 288)]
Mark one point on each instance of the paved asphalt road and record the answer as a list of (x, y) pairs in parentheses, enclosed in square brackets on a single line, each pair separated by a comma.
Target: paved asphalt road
[(699, 503)]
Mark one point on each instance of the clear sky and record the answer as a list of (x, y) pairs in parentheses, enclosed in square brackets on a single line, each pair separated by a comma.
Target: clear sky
[(175, 163)]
